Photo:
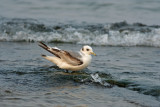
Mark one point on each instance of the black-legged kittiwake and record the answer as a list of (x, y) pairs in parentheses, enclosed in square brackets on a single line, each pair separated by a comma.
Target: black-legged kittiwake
[(69, 60)]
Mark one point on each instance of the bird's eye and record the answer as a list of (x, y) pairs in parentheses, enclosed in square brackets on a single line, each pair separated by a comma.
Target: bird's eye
[(87, 49)]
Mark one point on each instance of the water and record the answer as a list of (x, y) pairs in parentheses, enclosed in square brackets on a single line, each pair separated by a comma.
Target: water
[(125, 36), (94, 11), (117, 76), (115, 34)]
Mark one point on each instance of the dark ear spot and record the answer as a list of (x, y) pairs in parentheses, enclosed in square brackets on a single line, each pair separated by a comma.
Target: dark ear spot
[(82, 49)]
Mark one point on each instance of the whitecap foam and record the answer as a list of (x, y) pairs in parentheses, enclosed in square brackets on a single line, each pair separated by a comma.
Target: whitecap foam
[(117, 34)]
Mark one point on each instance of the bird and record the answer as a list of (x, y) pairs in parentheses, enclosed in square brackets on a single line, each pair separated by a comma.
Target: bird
[(69, 60)]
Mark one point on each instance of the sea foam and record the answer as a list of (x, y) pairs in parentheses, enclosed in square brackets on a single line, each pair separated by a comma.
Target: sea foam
[(116, 34)]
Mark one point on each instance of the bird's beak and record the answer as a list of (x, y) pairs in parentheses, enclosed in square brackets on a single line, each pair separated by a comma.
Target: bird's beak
[(93, 53)]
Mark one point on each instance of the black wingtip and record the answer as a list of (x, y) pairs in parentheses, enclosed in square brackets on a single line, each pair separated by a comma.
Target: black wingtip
[(41, 44), (51, 50)]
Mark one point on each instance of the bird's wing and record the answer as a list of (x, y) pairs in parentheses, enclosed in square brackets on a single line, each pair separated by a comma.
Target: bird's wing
[(49, 49), (69, 57)]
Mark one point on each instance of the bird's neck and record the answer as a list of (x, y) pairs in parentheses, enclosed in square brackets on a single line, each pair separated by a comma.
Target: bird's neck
[(87, 59)]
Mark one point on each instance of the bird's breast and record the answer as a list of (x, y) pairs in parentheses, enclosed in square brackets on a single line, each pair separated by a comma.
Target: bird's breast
[(87, 60)]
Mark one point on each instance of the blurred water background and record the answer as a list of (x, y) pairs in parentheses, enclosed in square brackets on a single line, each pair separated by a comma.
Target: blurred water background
[(124, 34)]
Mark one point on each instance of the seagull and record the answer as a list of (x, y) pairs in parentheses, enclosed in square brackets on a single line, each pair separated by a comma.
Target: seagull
[(69, 60)]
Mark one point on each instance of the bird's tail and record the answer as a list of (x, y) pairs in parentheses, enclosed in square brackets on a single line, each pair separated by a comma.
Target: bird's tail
[(43, 55)]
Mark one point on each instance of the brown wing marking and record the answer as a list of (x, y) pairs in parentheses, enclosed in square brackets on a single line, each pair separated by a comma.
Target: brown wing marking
[(71, 59), (51, 50)]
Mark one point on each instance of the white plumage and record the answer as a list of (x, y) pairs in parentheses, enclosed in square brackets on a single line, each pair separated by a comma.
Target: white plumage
[(69, 60)]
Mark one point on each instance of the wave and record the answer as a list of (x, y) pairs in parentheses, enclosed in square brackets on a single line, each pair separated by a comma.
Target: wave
[(114, 34)]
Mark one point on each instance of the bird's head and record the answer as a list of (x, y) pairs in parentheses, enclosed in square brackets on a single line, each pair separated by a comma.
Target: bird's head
[(87, 50)]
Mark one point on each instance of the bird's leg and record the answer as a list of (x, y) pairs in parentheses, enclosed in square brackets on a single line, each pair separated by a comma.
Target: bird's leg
[(67, 71), (73, 72)]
